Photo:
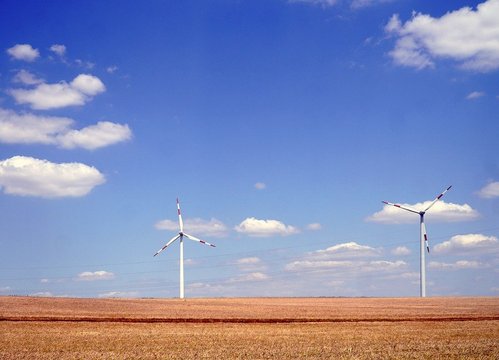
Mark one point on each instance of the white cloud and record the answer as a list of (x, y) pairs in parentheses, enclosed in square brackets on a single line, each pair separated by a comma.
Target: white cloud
[(401, 251), (490, 190), (314, 226), (111, 69), (5, 289), (467, 243), (119, 294), (358, 4), (263, 228), (58, 49), (248, 261), (260, 186), (441, 211), (95, 275), (254, 276), (85, 64), (104, 133), (62, 94), (27, 128), (253, 264), (383, 265), (346, 250), (355, 267), (23, 52), (196, 226), (324, 3), (469, 37), (88, 84), (27, 176), (458, 265), (475, 95), (42, 294), (318, 264), (26, 78)]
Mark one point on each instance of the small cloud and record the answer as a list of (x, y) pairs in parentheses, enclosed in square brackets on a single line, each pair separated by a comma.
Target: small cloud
[(253, 264), (44, 281), (323, 3), (401, 251), (60, 50), (104, 133), (441, 211), (248, 261), (360, 4), (53, 96), (28, 128), (23, 52), (42, 294), (251, 277), (490, 190), (468, 242), (196, 226), (314, 226), (26, 78), (94, 276), (346, 250), (111, 69), (458, 265), (27, 176), (264, 228), (383, 265), (475, 95), (5, 289), (260, 186), (318, 264), (85, 64), (119, 294)]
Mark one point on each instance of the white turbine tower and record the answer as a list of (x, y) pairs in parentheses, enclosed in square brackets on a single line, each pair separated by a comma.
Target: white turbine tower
[(180, 236), (423, 238)]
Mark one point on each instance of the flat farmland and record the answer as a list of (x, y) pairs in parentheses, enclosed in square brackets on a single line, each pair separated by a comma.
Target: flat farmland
[(249, 328)]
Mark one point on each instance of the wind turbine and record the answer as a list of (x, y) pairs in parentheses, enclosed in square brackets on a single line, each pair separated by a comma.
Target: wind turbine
[(423, 238), (181, 234)]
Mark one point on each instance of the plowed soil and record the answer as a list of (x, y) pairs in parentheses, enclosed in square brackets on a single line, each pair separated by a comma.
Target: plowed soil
[(249, 328)]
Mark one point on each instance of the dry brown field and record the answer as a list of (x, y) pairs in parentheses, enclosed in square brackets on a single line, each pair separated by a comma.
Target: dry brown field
[(249, 328)]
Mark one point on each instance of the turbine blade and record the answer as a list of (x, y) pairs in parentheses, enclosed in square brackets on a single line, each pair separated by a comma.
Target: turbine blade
[(401, 207), (437, 198), (167, 244), (198, 240), (180, 222), (425, 235)]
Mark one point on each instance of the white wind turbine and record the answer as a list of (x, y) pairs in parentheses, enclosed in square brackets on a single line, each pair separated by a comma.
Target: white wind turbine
[(180, 236), (423, 238)]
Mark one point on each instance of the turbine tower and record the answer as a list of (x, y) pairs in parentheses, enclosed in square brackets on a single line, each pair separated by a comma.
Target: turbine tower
[(181, 234), (423, 238)]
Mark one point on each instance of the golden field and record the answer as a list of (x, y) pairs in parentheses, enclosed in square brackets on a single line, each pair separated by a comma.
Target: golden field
[(249, 328)]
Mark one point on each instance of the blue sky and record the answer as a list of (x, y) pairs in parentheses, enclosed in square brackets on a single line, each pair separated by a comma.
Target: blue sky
[(280, 125)]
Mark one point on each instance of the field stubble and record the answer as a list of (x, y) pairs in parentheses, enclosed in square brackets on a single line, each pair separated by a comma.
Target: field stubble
[(358, 328)]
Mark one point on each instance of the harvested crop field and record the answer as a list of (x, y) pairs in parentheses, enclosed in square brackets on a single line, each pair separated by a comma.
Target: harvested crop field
[(249, 328)]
